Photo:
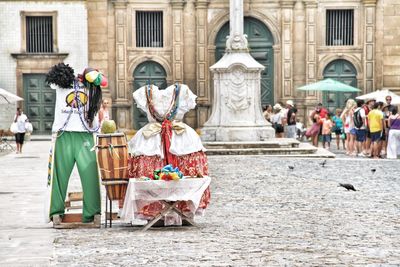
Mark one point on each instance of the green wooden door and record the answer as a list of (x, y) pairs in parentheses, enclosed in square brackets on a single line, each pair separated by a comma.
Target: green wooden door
[(39, 103), (144, 73), (343, 71), (260, 42)]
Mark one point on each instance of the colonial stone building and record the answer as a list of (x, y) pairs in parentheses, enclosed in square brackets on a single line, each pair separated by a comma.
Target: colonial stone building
[(166, 41), (35, 35)]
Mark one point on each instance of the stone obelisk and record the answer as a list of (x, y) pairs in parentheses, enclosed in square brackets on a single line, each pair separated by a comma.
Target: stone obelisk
[(237, 113)]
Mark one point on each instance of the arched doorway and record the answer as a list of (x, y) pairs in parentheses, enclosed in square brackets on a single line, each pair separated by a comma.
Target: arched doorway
[(146, 72), (260, 43), (343, 71)]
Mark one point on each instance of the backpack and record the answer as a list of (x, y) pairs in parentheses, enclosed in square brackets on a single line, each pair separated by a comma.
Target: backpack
[(358, 120)]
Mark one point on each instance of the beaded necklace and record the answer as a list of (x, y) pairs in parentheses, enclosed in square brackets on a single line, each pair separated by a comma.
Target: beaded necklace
[(173, 107)]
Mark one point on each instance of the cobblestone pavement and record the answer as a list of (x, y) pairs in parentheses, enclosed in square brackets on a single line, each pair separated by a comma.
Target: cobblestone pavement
[(262, 214)]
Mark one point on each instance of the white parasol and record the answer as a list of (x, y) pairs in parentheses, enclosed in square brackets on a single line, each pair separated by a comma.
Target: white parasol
[(380, 95), (7, 97)]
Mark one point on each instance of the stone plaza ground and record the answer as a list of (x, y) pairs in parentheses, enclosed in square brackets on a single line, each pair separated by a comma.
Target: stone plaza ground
[(262, 214)]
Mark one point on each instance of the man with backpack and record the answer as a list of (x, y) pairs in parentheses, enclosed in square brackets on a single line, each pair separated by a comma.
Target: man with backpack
[(359, 119), (369, 105), (376, 122)]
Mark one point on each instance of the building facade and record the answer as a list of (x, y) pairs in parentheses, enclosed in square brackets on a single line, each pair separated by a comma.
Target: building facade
[(34, 36), (135, 42)]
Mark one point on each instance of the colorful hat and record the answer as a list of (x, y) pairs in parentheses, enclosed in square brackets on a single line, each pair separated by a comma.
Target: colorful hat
[(94, 76)]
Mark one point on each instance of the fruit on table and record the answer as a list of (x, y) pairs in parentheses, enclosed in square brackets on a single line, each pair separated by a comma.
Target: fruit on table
[(108, 127)]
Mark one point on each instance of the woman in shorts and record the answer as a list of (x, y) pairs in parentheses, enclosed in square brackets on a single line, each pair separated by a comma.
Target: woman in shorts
[(349, 130), (338, 128)]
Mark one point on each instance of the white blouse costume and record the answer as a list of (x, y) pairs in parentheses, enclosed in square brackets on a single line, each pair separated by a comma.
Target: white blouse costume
[(184, 140), (67, 117)]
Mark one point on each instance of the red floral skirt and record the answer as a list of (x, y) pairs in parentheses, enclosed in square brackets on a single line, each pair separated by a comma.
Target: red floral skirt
[(194, 164)]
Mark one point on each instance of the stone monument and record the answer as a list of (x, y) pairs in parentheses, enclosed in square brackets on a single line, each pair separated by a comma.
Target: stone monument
[(237, 113)]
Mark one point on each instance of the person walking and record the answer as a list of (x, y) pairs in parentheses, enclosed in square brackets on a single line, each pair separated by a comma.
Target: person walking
[(20, 119), (375, 120), (338, 128), (393, 148), (291, 120)]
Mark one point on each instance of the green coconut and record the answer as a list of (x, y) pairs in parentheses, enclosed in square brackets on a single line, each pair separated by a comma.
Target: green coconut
[(108, 127)]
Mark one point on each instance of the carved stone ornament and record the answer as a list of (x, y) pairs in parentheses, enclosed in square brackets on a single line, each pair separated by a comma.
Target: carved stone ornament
[(237, 97), (236, 42)]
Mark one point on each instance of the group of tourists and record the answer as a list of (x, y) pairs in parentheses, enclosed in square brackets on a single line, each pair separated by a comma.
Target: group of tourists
[(372, 128), (364, 128), (283, 119)]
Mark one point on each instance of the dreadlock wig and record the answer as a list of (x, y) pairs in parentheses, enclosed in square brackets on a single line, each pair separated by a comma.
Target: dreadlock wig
[(61, 75), (92, 78)]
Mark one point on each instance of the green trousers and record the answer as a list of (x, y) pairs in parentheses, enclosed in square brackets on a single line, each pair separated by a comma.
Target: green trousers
[(71, 147)]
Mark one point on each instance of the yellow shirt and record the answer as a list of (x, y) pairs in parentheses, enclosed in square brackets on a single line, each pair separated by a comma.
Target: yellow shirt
[(375, 118)]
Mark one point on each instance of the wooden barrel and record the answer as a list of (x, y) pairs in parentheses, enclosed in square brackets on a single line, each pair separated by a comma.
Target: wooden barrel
[(116, 190), (112, 156)]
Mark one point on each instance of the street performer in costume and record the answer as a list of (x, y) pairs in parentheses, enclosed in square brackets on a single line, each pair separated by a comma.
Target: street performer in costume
[(75, 120), (166, 139)]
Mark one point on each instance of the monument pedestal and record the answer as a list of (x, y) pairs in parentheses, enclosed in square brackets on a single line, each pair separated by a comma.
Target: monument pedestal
[(237, 113), (237, 133)]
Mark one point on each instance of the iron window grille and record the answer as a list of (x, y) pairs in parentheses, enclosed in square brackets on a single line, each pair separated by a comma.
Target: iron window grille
[(340, 27), (39, 34), (149, 29)]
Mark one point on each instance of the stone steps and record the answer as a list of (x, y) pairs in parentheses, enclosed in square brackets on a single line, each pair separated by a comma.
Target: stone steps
[(273, 143), (285, 147)]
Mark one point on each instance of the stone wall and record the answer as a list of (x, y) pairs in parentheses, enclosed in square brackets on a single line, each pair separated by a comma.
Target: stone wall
[(72, 39), (388, 48)]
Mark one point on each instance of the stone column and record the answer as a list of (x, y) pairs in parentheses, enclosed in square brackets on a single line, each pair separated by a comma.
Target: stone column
[(379, 51), (287, 49), (177, 39), (121, 102), (201, 57), (189, 56), (369, 45), (237, 114), (311, 53), (299, 47)]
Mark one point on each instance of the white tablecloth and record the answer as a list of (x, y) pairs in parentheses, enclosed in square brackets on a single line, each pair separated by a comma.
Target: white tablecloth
[(142, 193)]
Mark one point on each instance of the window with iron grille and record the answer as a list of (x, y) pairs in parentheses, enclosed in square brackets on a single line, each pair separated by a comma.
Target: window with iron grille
[(340, 27), (149, 29), (39, 34)]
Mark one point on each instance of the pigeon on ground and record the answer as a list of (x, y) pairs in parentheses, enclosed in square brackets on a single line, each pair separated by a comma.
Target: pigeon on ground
[(291, 168), (323, 163), (373, 171), (348, 187)]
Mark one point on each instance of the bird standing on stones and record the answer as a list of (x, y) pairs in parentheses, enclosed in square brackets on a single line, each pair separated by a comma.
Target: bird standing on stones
[(348, 186), (291, 168), (323, 163), (373, 171)]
